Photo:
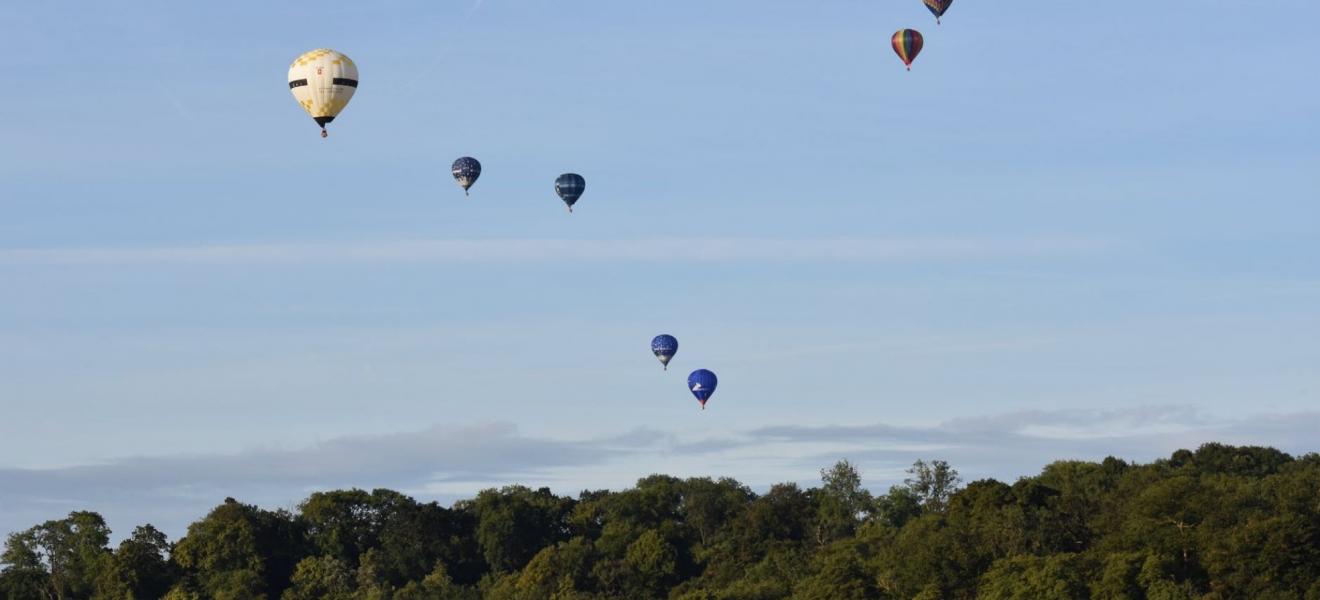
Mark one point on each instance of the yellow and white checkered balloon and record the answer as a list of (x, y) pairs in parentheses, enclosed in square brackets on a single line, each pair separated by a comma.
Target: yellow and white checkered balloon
[(323, 81)]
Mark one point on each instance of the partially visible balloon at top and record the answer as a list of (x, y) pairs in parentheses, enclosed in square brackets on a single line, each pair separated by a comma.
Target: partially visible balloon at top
[(466, 172), (938, 8), (322, 82), (664, 347)]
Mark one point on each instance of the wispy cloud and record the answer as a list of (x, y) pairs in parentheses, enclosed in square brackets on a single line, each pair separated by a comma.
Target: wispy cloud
[(551, 250), (1013, 444), (172, 490)]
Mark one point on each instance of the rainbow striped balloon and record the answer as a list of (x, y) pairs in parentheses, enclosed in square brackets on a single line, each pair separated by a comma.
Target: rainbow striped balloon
[(938, 8), (907, 45)]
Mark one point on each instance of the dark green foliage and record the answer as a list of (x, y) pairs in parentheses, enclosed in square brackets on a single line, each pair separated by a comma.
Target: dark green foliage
[(840, 572), (407, 538), (897, 507), (707, 506), (240, 551), (1218, 523), (64, 558), (438, 585), (140, 567), (514, 523), (841, 503), (320, 578), (1027, 576)]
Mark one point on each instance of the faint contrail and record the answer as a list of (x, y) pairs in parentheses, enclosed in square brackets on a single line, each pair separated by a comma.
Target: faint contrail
[(475, 6), (542, 250), (178, 105)]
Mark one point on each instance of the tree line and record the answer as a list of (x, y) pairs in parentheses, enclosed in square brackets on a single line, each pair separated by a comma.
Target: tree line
[(1221, 522)]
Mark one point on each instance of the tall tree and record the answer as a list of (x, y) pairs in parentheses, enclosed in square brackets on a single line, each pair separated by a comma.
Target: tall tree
[(70, 553), (841, 502), (140, 568), (515, 522), (708, 506), (933, 483), (240, 551)]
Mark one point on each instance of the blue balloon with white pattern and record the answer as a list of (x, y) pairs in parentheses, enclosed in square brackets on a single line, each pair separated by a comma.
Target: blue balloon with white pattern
[(664, 347), (570, 186), (466, 171), (702, 385)]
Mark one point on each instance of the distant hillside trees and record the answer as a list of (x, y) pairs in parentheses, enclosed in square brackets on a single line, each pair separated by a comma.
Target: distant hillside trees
[(1218, 523)]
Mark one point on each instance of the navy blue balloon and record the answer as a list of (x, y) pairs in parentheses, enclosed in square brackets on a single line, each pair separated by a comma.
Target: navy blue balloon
[(466, 172), (664, 347), (702, 384), (570, 186)]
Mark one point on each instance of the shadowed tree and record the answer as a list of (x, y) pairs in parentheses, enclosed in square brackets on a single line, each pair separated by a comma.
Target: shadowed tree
[(240, 551), (140, 567), (345, 523), (708, 506), (840, 572), (514, 523), (897, 507)]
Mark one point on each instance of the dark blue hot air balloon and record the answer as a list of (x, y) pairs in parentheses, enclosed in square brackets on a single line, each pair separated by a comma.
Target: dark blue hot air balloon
[(702, 384), (570, 186), (466, 172), (664, 347)]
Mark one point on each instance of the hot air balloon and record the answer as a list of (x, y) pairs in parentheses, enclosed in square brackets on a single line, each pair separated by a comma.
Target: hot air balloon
[(466, 172), (907, 45), (938, 8), (702, 384), (323, 81), (664, 347), (570, 186)]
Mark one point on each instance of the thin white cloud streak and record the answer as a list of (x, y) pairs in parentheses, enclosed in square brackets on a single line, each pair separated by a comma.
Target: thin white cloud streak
[(550, 250), (172, 490)]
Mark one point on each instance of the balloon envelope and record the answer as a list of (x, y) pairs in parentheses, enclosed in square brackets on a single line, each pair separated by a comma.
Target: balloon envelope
[(466, 172), (938, 7), (907, 45), (664, 347), (323, 81), (570, 186), (702, 384)]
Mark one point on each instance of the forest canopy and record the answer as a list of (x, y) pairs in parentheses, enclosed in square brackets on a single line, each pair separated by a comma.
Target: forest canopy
[(1220, 522)]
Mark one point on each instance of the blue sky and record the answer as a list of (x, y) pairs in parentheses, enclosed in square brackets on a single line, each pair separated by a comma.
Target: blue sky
[(1069, 233)]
